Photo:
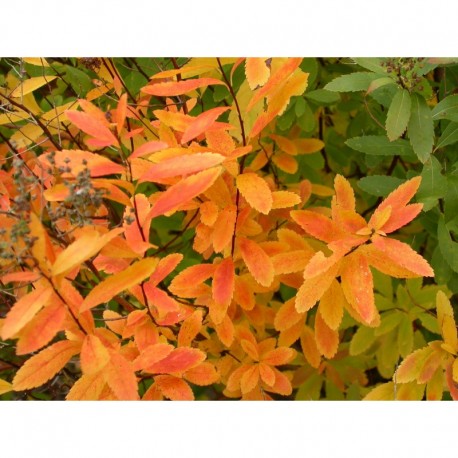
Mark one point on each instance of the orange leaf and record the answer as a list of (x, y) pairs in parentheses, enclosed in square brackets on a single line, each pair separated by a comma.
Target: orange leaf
[(282, 385), (179, 360), (92, 126), (174, 388), (88, 244), (358, 285), (201, 123), (267, 374), (276, 80), (317, 225), (42, 328), (160, 299), (94, 355), (249, 379), (87, 388), (225, 331), (224, 227), (257, 261), (172, 88), (223, 282), (148, 148), (410, 368), (285, 162), (120, 377), (284, 199), (117, 283), (151, 355), (165, 267), (191, 276), (243, 295), (43, 366), (313, 289), (97, 164), (285, 144), (202, 375), (257, 72), (24, 310), (190, 328), (308, 145), (256, 192), (184, 191), (402, 255), (279, 356), (120, 114), (309, 348), (327, 339), (287, 316), (345, 196), (181, 165), (332, 305)]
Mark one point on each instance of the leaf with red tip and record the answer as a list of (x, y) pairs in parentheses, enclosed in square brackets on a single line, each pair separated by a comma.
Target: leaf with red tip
[(185, 190), (148, 148), (120, 377), (223, 282), (24, 310), (179, 360), (174, 388), (257, 72), (173, 88), (119, 282), (181, 165), (256, 192), (43, 366), (410, 368), (92, 126), (402, 255), (202, 123), (257, 261), (358, 285), (327, 339)]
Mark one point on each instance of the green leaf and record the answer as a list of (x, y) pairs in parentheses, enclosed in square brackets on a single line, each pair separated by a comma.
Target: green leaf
[(379, 185), (421, 129), (448, 247), (322, 97), (358, 81), (380, 82), (388, 322), (299, 106), (446, 109), (380, 146), (405, 336), (449, 136), (433, 184), (362, 340), (398, 114), (451, 198), (374, 64)]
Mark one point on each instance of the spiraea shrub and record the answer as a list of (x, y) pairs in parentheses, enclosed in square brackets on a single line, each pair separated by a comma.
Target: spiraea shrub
[(228, 228)]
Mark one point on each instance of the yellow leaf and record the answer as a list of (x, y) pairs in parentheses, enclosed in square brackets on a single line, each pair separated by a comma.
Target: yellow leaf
[(38, 61), (87, 388), (44, 365), (5, 387), (31, 84), (383, 392), (113, 285)]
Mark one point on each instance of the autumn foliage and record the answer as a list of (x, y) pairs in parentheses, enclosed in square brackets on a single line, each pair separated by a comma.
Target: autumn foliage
[(197, 229)]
